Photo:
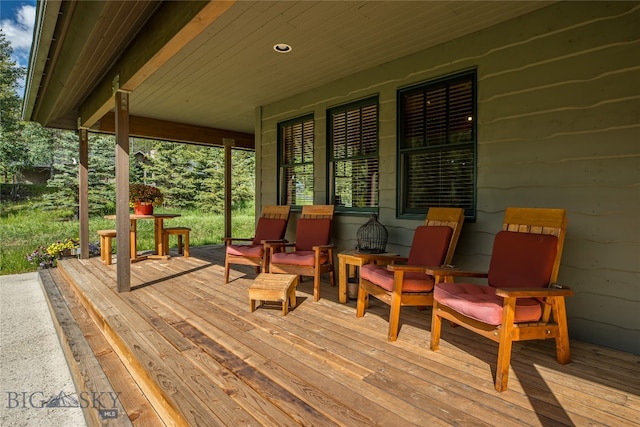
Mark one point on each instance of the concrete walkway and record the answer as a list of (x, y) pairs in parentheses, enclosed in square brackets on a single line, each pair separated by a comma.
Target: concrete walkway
[(36, 388)]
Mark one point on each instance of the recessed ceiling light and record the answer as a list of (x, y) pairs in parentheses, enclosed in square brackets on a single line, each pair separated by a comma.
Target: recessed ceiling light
[(282, 48)]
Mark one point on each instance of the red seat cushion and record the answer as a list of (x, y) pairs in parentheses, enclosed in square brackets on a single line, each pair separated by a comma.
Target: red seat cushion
[(429, 248), (312, 232), (481, 303), (270, 229), (413, 282), (430, 245), (522, 260), (518, 260), (304, 258), (249, 251)]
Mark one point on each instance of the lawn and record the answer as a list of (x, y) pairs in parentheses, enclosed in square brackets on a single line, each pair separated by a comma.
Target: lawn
[(24, 228)]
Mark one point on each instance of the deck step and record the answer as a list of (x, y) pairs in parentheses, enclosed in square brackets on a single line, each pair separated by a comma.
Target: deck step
[(95, 367), (195, 399)]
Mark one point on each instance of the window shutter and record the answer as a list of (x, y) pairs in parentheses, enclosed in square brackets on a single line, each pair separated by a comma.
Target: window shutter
[(354, 155), (296, 139), (437, 145)]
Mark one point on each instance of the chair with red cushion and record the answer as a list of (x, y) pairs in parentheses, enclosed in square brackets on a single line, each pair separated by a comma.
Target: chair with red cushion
[(408, 284), (521, 301), (312, 252), (272, 226)]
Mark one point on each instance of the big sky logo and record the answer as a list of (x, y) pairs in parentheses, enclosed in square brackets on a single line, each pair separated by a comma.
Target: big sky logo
[(105, 402)]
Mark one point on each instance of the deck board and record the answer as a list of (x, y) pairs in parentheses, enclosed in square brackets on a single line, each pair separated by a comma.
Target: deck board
[(202, 358)]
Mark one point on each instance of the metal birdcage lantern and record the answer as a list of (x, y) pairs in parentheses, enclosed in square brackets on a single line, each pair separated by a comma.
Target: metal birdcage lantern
[(372, 237)]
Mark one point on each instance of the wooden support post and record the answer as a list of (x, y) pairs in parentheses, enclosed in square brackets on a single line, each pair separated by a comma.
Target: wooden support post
[(123, 265), (228, 143), (83, 193)]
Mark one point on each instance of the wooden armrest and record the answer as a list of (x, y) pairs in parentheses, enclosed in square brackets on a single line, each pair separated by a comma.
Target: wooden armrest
[(534, 292), (229, 240), (278, 244), (387, 259), (408, 268), (454, 271), (268, 242), (323, 247)]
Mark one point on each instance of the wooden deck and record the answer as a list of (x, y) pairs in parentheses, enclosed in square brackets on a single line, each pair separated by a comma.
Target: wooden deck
[(182, 348)]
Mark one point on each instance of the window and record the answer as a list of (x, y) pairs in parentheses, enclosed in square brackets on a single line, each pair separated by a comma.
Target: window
[(353, 148), (295, 158), (437, 145)]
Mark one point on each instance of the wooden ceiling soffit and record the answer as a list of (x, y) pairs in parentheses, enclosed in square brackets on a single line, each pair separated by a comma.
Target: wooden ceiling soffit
[(42, 41), (143, 127), (172, 26)]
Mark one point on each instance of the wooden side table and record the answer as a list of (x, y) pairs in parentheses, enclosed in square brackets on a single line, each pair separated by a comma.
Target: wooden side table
[(348, 261), (274, 287)]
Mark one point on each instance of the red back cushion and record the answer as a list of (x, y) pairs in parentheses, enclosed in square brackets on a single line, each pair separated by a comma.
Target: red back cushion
[(430, 245), (522, 260), (312, 232), (270, 229)]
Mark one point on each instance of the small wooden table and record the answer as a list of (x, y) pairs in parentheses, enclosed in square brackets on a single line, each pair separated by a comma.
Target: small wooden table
[(160, 251), (347, 263), (274, 287)]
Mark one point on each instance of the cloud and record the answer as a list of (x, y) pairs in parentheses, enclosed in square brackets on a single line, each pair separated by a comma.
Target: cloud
[(19, 32)]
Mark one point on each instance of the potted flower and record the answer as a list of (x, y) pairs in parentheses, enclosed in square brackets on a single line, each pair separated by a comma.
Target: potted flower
[(63, 248), (41, 258), (142, 198)]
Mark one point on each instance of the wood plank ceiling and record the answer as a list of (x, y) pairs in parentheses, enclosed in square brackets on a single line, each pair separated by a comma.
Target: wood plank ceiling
[(220, 77)]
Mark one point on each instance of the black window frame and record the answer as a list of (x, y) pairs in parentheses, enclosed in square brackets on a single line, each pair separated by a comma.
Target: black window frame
[(469, 148), (283, 165), (362, 156)]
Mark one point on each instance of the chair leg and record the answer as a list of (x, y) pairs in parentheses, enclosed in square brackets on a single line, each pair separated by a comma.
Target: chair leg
[(394, 316), (102, 248), (105, 249), (563, 353), (316, 285), (226, 271), (362, 303), (165, 242), (505, 344), (186, 245), (179, 244), (436, 326), (108, 250)]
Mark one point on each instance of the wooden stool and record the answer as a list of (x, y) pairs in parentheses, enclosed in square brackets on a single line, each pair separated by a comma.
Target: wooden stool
[(274, 287), (105, 244), (177, 231)]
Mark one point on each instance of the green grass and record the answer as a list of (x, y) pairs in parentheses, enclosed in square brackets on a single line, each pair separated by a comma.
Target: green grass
[(24, 228)]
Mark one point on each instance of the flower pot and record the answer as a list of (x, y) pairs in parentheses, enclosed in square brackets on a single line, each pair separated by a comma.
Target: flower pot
[(65, 253), (143, 209)]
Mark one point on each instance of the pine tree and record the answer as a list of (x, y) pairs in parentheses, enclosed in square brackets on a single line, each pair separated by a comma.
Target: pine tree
[(12, 145)]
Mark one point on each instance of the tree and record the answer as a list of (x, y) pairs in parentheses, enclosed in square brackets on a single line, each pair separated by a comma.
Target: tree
[(211, 164), (192, 176), (64, 181), (65, 174), (102, 170), (171, 167), (12, 146)]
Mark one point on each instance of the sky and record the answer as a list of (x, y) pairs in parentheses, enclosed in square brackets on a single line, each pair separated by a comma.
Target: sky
[(16, 21)]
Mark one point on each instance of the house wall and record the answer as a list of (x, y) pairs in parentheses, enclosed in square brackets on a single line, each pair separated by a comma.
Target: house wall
[(558, 126)]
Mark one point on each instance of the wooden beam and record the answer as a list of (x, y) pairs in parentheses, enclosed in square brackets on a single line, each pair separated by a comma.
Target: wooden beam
[(83, 193), (172, 27), (228, 144), (144, 127), (123, 225)]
